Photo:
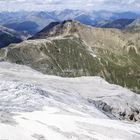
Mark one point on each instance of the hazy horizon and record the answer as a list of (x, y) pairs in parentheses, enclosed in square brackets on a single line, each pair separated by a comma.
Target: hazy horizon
[(86, 5)]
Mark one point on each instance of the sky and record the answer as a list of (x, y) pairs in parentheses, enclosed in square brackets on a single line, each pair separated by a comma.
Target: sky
[(49, 5)]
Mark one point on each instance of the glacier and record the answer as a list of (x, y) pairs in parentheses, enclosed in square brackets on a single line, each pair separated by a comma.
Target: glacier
[(34, 106)]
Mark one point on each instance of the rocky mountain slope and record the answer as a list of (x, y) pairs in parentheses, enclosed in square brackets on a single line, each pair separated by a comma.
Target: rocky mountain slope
[(37, 106), (73, 49), (8, 36)]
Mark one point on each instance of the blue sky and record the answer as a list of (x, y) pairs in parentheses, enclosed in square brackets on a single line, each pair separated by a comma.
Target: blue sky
[(117, 5)]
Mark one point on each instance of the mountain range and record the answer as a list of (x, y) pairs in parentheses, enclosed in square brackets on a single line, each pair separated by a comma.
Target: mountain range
[(118, 23), (32, 22), (72, 49), (27, 24)]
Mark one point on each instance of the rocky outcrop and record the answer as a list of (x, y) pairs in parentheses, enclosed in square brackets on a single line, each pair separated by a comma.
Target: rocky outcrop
[(125, 111)]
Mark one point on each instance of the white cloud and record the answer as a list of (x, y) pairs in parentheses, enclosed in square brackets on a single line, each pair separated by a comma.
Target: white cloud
[(13, 5)]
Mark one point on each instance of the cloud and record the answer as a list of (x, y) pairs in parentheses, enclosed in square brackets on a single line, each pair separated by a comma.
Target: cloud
[(14, 5)]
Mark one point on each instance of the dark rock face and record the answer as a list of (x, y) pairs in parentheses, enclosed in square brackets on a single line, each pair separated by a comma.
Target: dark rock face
[(45, 30)]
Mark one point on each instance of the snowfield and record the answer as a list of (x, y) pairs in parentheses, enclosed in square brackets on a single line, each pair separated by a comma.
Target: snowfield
[(34, 106)]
